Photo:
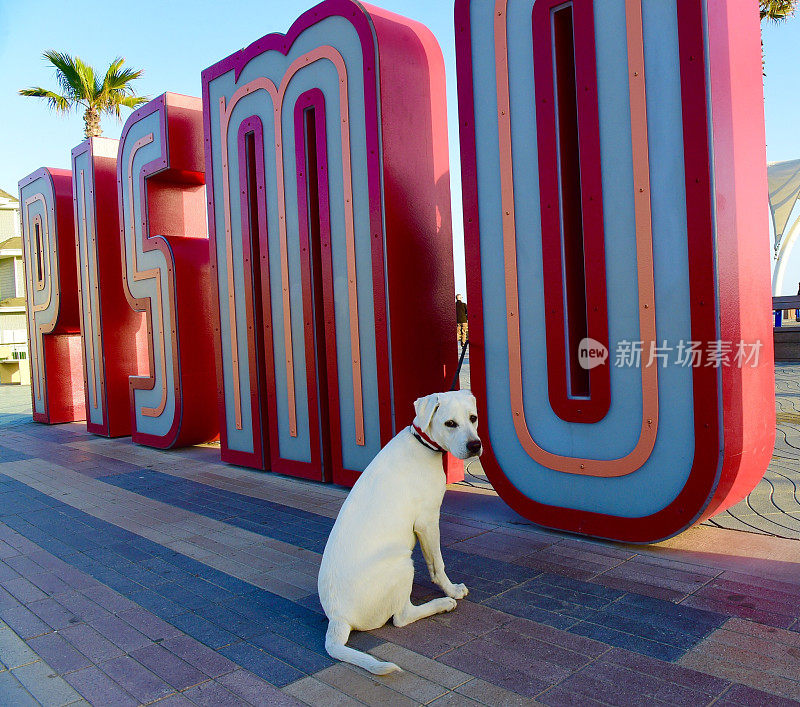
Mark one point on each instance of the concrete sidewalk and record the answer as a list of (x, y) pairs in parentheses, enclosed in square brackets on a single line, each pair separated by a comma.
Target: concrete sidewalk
[(132, 576)]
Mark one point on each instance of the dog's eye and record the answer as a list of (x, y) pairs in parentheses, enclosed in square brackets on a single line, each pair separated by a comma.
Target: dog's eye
[(451, 423), (473, 418)]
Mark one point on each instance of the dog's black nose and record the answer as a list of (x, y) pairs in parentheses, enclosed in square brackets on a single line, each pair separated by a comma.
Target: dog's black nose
[(474, 446)]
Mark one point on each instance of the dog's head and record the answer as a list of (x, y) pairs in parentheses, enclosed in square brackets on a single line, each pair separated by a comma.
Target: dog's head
[(451, 420)]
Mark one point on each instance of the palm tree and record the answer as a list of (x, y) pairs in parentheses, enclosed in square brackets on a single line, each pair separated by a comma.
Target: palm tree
[(777, 10), (80, 86), (774, 11)]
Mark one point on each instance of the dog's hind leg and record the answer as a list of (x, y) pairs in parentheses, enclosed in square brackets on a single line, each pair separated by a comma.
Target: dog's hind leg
[(335, 644), (410, 613)]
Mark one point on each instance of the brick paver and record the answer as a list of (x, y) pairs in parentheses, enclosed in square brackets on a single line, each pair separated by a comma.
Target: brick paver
[(15, 404), (132, 576), (26, 679)]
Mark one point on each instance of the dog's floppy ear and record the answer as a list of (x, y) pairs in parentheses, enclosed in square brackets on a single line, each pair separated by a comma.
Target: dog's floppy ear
[(424, 409)]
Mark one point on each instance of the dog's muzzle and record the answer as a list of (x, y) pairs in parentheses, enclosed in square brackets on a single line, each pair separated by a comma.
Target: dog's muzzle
[(474, 447)]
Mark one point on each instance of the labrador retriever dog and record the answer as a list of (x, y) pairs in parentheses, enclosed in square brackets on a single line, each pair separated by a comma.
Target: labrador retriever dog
[(366, 573)]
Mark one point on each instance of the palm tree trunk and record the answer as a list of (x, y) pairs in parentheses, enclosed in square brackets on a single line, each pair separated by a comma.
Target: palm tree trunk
[(92, 120)]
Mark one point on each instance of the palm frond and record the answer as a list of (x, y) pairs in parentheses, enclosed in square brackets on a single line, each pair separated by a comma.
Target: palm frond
[(57, 102), (118, 79), (131, 102), (115, 65), (90, 84), (117, 90), (121, 81), (777, 10), (69, 74)]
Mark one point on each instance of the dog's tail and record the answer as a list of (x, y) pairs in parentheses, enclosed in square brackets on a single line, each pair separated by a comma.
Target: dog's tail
[(335, 644)]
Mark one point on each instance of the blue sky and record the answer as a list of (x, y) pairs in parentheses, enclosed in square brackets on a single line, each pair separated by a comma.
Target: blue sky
[(173, 40)]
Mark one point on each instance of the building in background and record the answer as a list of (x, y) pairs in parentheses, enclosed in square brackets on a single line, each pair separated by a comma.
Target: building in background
[(784, 191), (14, 364)]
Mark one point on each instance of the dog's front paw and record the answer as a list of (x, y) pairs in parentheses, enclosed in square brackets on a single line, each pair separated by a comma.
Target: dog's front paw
[(457, 591)]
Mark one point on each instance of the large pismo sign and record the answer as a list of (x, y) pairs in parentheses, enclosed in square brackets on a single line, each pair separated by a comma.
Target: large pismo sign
[(613, 175)]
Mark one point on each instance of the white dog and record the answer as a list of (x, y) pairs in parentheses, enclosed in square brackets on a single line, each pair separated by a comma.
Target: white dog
[(366, 573)]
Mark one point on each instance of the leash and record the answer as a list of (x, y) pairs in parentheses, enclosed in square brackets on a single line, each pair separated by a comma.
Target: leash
[(421, 437), (460, 363)]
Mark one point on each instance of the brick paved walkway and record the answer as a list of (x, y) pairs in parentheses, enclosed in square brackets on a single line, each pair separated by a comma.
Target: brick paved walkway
[(15, 404), (132, 576), (773, 508)]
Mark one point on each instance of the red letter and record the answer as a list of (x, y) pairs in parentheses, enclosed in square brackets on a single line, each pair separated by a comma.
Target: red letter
[(113, 334), (166, 271), (331, 238), (588, 157), (52, 302)]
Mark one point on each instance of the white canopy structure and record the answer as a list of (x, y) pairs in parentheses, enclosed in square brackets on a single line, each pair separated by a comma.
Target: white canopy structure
[(784, 190)]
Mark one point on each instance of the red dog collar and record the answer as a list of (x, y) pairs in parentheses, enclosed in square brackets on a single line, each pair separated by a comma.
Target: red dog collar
[(426, 441)]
